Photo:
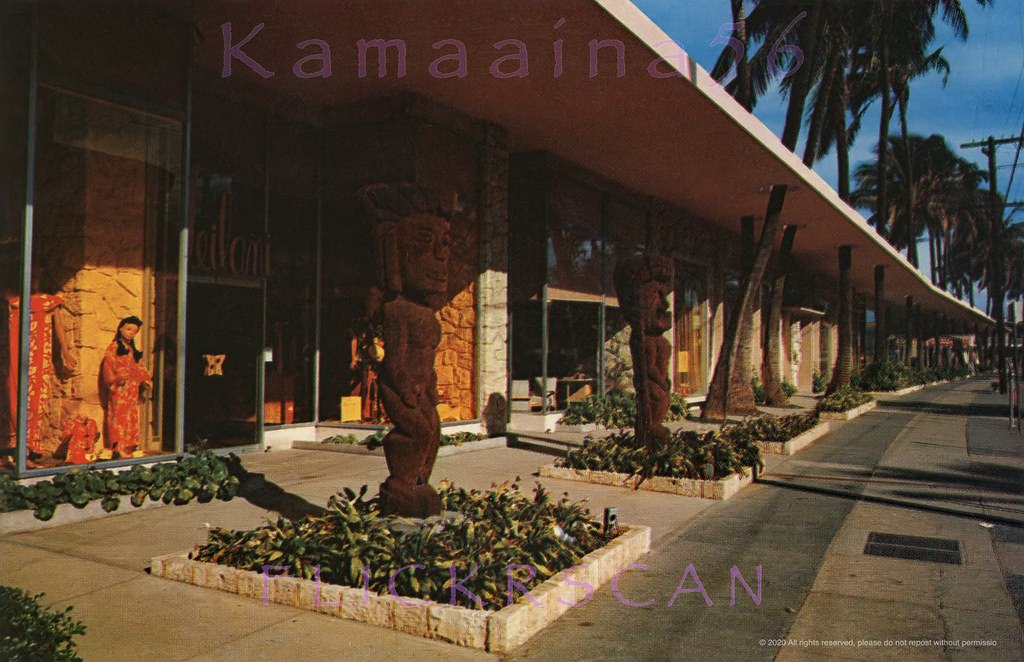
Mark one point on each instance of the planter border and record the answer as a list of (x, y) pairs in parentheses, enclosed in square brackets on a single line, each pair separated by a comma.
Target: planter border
[(24, 520), (849, 413), (495, 631), (897, 393), (797, 443), (443, 451), (719, 490)]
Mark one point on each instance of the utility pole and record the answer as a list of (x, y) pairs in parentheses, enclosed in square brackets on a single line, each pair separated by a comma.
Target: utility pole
[(998, 271)]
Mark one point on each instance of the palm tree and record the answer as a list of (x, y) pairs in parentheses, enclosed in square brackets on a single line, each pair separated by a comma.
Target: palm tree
[(933, 188)]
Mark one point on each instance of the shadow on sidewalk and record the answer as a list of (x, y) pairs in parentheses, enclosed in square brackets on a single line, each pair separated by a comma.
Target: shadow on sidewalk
[(922, 406), (260, 492)]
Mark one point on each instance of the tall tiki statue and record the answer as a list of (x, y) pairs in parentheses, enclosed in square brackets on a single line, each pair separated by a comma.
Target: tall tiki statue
[(412, 260), (642, 285)]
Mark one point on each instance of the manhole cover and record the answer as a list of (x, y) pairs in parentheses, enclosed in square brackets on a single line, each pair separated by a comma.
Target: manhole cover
[(915, 548)]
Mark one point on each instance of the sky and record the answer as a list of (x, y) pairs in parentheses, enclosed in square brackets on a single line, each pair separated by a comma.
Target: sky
[(984, 94)]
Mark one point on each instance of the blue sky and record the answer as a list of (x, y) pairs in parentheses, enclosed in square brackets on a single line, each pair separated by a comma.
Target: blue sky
[(984, 95)]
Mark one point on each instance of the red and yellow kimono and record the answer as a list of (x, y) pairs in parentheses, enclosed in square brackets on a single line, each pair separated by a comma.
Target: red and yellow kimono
[(40, 363), (122, 376)]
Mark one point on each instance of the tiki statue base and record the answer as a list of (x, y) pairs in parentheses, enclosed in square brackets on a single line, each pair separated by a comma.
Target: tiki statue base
[(408, 500)]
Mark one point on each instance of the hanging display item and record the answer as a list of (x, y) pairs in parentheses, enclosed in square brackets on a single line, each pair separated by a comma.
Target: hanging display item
[(125, 384), (45, 327), (214, 365)]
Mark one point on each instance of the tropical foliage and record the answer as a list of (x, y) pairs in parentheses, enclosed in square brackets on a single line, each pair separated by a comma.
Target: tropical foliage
[(844, 399), (201, 477), (696, 455), (354, 545), (376, 440), (616, 409), (29, 632), (771, 428)]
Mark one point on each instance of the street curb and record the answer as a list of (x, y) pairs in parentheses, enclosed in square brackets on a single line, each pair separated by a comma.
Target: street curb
[(495, 631), (849, 413), (797, 443), (443, 451), (719, 490), (22, 521)]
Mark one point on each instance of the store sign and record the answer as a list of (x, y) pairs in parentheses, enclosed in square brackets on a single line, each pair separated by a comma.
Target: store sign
[(215, 248)]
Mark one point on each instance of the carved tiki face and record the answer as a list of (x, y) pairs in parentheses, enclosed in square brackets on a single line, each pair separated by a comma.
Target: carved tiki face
[(422, 243), (654, 312)]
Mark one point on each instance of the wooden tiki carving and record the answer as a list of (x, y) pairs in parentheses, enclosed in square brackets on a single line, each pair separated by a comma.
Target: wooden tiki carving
[(412, 260), (642, 283)]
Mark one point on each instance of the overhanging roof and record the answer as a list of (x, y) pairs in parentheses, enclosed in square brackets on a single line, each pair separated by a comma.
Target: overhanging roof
[(683, 139)]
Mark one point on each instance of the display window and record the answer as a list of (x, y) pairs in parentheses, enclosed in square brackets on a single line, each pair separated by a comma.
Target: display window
[(102, 333), (690, 297)]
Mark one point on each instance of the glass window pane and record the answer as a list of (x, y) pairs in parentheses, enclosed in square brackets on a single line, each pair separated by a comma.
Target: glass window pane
[(690, 329), (104, 282)]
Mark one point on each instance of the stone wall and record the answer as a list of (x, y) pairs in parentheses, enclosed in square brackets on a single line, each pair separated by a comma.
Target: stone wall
[(88, 245)]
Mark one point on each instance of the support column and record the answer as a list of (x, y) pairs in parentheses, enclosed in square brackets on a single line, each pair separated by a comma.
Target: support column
[(907, 339), (881, 330), (492, 287), (922, 355), (937, 359), (844, 354)]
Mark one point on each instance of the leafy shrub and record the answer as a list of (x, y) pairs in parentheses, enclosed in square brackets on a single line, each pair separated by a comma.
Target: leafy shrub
[(203, 477), (789, 389), (818, 383), (29, 632), (759, 395), (376, 440), (616, 409), (689, 454), (341, 439), (770, 428), (353, 542), (888, 376), (844, 399)]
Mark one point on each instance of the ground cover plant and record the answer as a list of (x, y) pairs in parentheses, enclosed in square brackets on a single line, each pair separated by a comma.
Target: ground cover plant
[(495, 533), (376, 440), (890, 376), (696, 455), (202, 477), (771, 428), (844, 399), (616, 409), (29, 632)]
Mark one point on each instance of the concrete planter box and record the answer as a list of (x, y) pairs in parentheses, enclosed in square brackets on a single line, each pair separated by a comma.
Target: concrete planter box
[(896, 394), (797, 443), (495, 631), (357, 449), (581, 427), (19, 521), (720, 489), (849, 413)]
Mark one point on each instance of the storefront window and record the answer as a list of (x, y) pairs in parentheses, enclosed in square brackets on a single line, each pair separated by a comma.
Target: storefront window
[(103, 332), (690, 329), (572, 350), (14, 85)]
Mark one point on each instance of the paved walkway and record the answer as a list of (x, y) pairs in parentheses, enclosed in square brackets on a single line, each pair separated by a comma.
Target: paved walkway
[(936, 463)]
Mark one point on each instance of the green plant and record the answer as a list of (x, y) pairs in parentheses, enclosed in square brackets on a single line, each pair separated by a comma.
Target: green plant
[(202, 477), (354, 543), (29, 632), (789, 389), (689, 454), (459, 438), (819, 383), (770, 428), (844, 399), (758, 388), (616, 409), (342, 439)]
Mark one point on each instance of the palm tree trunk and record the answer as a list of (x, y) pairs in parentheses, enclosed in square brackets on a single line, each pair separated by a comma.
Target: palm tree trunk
[(771, 364), (844, 354), (842, 138), (813, 146), (744, 91), (933, 256), (903, 98), (725, 393), (883, 131), (809, 36)]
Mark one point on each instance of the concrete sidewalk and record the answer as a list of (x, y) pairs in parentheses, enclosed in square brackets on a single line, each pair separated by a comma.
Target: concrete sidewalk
[(929, 463)]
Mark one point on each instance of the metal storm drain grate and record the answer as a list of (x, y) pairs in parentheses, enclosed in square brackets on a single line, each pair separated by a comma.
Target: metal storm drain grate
[(915, 548)]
